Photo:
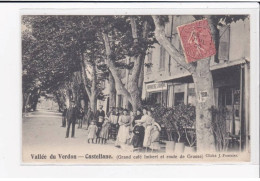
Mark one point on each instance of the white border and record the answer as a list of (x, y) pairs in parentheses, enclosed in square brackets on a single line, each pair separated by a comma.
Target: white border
[(10, 78)]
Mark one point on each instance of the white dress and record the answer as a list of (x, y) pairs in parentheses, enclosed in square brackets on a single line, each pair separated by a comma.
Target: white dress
[(148, 128), (123, 132)]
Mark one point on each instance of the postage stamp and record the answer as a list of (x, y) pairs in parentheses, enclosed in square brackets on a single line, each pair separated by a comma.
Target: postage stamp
[(196, 40)]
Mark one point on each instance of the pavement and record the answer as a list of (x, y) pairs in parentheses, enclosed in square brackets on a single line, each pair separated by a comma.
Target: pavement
[(42, 133)]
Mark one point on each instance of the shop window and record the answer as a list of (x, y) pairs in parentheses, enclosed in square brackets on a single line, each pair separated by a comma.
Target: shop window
[(162, 58), (178, 98)]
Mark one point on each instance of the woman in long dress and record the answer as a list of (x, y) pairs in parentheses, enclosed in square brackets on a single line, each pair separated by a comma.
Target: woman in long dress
[(155, 135), (148, 129), (123, 132), (113, 118), (144, 117)]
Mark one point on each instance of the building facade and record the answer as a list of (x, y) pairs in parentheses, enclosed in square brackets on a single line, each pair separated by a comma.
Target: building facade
[(169, 84)]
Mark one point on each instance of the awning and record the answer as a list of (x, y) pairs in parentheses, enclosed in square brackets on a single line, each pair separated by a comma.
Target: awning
[(185, 77)]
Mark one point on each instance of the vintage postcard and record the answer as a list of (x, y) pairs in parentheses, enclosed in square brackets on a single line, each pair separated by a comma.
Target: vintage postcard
[(129, 89)]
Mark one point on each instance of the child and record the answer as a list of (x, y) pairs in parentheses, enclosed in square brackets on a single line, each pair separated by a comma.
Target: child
[(104, 133), (92, 132), (138, 137)]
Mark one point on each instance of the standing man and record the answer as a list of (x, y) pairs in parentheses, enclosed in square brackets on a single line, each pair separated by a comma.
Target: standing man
[(100, 115), (71, 118)]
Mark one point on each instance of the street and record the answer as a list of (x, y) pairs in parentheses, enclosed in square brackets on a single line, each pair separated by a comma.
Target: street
[(42, 133)]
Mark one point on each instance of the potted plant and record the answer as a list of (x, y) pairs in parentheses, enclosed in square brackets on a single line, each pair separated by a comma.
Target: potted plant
[(188, 123), (168, 122), (221, 134), (179, 146), (184, 116)]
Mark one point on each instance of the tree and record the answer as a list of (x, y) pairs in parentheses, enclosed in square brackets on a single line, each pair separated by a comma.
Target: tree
[(128, 37), (31, 83), (67, 45), (201, 74)]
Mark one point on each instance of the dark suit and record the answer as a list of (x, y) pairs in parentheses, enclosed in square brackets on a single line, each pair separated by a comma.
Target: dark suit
[(99, 113), (138, 138), (71, 117)]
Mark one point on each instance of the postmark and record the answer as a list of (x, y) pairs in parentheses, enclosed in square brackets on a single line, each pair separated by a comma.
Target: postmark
[(196, 40)]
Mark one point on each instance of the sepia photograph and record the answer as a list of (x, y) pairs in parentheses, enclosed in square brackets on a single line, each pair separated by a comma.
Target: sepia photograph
[(155, 89)]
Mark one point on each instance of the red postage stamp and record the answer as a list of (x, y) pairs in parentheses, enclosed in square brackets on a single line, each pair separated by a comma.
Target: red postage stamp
[(196, 40)]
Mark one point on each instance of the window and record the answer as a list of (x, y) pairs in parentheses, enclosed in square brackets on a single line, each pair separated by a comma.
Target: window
[(156, 97), (178, 98), (162, 58), (224, 43)]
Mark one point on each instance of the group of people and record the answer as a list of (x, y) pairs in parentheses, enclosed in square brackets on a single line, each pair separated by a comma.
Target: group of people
[(136, 129), (139, 129)]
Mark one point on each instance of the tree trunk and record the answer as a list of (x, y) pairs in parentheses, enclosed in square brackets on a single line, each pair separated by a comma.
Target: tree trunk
[(133, 83), (91, 92), (141, 79), (93, 98), (59, 101), (26, 101), (137, 77), (67, 97), (203, 83), (93, 103), (112, 91), (84, 75), (35, 99)]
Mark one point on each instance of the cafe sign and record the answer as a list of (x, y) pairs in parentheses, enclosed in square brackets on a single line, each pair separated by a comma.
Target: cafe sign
[(153, 87)]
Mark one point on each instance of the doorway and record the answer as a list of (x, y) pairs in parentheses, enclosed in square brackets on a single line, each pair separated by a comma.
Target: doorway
[(229, 98)]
